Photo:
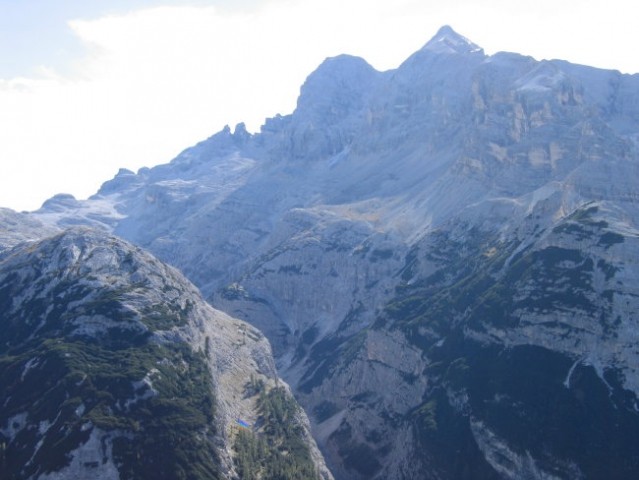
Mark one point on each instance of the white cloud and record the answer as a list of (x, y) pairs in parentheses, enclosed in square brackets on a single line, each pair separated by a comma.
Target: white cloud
[(158, 80)]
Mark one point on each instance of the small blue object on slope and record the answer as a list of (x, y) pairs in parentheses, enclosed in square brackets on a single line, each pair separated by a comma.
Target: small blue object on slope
[(242, 423)]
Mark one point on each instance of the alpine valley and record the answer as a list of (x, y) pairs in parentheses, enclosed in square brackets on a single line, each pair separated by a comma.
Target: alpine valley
[(444, 258)]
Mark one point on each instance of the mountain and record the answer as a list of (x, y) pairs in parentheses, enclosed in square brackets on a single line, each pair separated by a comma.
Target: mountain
[(19, 227), (114, 367), (442, 255)]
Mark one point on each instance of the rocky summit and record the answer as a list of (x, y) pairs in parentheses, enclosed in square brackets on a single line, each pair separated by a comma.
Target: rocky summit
[(443, 257)]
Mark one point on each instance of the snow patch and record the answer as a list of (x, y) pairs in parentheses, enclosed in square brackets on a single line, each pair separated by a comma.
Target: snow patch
[(544, 77), (100, 211), (448, 41)]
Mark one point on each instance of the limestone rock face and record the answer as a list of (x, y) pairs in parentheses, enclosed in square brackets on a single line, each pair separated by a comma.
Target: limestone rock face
[(443, 257)]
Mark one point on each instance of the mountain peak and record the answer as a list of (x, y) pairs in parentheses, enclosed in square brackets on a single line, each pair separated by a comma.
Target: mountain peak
[(447, 40), (338, 81)]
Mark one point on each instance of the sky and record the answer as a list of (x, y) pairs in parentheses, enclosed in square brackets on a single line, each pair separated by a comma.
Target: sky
[(88, 87)]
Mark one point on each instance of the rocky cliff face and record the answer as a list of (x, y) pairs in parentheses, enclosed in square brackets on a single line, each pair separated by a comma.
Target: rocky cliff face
[(114, 367), (442, 255)]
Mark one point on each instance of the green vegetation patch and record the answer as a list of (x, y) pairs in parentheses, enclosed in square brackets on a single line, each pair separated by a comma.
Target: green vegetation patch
[(167, 315), (609, 239), (164, 424), (427, 415), (277, 450)]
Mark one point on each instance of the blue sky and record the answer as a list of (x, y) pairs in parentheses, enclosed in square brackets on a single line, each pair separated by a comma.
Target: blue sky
[(35, 32), (87, 87)]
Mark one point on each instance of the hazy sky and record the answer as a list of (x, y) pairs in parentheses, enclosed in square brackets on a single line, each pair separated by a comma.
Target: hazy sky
[(88, 86)]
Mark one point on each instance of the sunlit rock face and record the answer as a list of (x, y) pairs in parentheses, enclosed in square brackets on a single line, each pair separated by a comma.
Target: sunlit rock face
[(443, 256)]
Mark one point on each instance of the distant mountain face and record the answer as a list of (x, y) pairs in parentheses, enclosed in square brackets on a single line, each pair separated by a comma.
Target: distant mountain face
[(17, 227), (113, 367), (442, 255)]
